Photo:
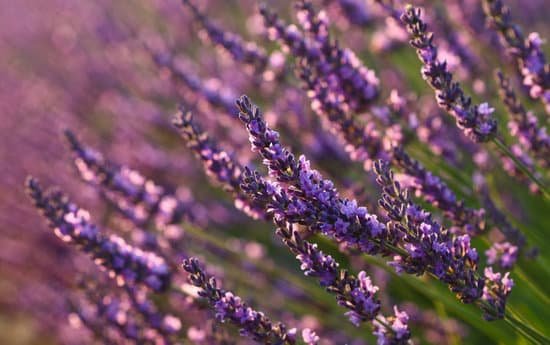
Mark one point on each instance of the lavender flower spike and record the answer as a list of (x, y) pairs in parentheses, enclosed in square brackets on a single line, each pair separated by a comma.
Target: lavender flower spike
[(524, 124), (219, 164), (354, 293), (430, 247), (356, 82), (528, 53), (309, 199), (496, 291), (139, 199), (246, 52), (475, 120), (365, 144), (71, 224), (252, 323)]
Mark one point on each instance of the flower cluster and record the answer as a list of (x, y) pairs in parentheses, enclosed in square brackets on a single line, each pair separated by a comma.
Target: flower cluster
[(527, 51), (495, 292), (72, 224), (504, 254), (366, 144), (524, 124), (343, 70), (385, 202), (429, 247), (219, 164), (475, 120), (228, 307), (309, 199), (138, 198), (247, 52)]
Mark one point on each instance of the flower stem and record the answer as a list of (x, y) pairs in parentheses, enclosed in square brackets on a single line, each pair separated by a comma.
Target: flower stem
[(524, 329), (504, 149)]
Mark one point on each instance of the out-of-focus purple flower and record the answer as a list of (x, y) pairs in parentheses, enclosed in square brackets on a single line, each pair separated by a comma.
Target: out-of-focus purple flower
[(504, 254), (528, 53), (392, 330), (496, 290), (228, 307), (524, 124), (310, 337), (475, 120), (246, 52), (356, 83), (217, 96), (71, 224), (138, 198), (356, 11)]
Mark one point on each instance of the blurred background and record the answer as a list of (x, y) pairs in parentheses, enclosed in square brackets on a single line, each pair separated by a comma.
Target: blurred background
[(88, 66)]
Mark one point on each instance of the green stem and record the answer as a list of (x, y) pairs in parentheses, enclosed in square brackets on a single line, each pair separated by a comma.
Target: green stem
[(504, 149), (527, 330)]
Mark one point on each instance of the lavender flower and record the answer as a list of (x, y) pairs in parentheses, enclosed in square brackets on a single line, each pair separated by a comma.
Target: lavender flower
[(353, 293), (219, 165), (496, 291), (528, 53), (138, 198), (228, 307), (429, 247), (504, 254), (222, 99), (356, 294), (398, 324), (355, 81), (356, 12), (474, 120), (310, 337), (246, 52), (310, 200), (523, 125), (71, 224), (423, 246), (365, 144)]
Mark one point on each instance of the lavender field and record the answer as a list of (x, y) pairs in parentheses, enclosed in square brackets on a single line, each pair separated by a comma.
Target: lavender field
[(274, 172)]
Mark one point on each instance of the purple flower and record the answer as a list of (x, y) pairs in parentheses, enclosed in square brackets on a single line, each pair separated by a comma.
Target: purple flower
[(392, 330), (524, 125), (356, 83), (310, 337), (183, 74), (218, 164), (137, 198), (475, 121), (496, 290), (531, 62), (130, 265), (228, 307), (246, 52), (429, 246), (504, 254)]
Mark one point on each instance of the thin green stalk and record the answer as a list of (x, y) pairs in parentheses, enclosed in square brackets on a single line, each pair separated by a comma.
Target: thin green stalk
[(520, 326), (504, 149)]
